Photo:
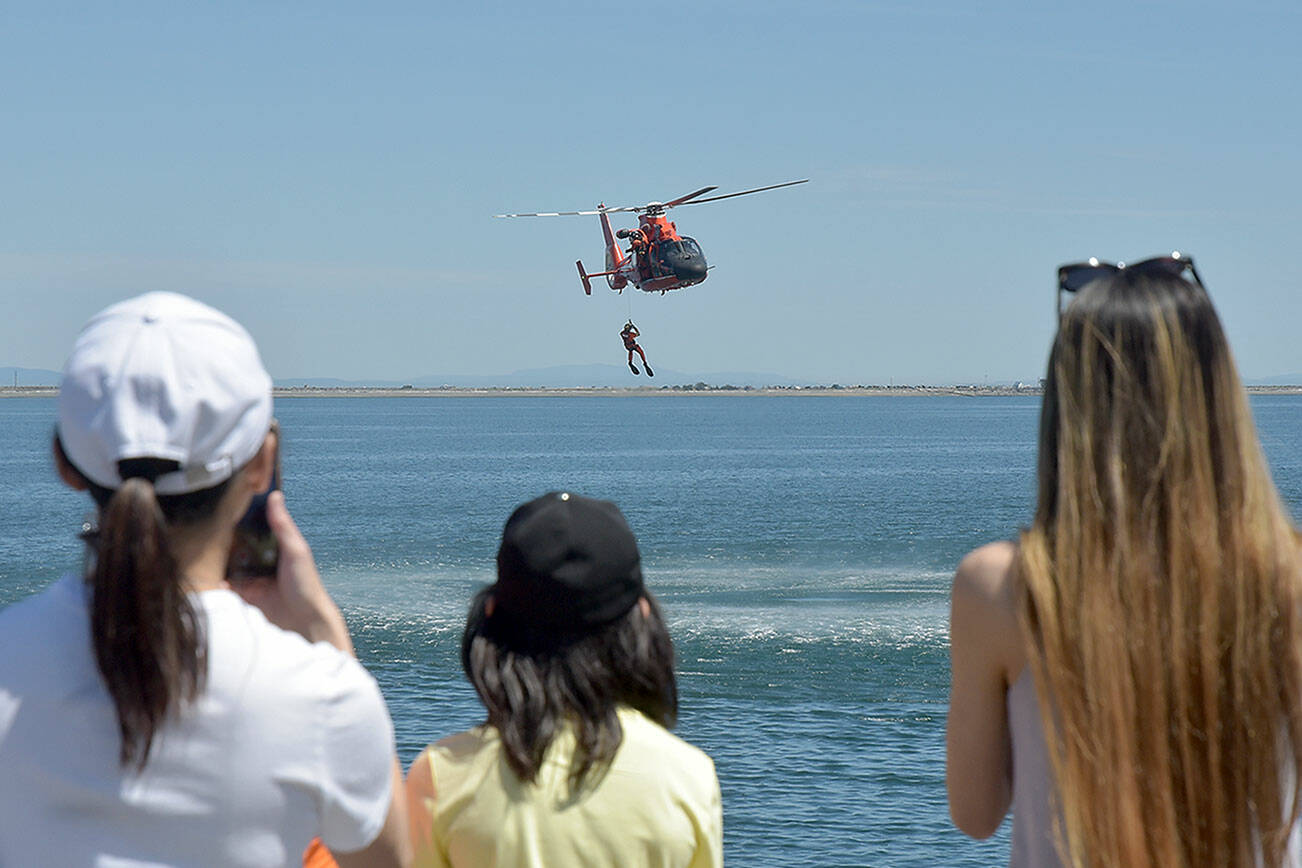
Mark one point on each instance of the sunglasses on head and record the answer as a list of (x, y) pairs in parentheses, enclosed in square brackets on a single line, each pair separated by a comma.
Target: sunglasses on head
[(1077, 275)]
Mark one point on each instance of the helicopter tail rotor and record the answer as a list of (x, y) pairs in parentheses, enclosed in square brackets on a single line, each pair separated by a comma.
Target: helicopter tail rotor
[(583, 276)]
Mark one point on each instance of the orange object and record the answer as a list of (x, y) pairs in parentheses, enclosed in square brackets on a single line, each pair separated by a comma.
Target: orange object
[(318, 856)]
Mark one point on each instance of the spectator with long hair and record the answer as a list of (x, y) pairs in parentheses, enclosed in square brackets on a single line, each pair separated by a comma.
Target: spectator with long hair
[(1127, 675), (148, 714), (575, 765)]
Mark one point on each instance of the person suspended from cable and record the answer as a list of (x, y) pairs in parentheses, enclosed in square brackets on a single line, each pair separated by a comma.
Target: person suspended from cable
[(630, 335)]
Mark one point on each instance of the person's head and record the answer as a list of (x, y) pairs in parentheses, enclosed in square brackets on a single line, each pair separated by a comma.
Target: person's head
[(164, 414), (567, 634), (1160, 585), (1141, 388)]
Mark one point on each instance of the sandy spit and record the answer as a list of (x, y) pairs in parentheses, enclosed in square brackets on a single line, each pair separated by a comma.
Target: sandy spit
[(643, 392)]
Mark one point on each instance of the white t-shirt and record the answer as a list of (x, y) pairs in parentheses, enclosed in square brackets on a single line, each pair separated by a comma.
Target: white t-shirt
[(288, 741)]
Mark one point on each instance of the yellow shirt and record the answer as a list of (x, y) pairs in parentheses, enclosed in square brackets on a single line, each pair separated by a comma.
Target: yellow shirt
[(657, 806)]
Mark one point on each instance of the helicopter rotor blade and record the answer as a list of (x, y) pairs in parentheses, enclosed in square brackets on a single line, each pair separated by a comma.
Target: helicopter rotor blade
[(574, 213), (747, 192), (657, 207), (681, 199), (550, 214)]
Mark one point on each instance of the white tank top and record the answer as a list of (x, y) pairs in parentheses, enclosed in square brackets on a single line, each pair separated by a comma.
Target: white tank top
[(1032, 780), (1033, 785)]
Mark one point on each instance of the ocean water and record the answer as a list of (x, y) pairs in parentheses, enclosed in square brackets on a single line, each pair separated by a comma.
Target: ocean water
[(801, 548)]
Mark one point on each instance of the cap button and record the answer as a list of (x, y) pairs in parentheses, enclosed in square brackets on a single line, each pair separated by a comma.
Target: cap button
[(565, 495)]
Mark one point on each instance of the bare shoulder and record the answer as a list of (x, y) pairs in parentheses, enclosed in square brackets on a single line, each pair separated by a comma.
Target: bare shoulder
[(983, 608), (986, 574)]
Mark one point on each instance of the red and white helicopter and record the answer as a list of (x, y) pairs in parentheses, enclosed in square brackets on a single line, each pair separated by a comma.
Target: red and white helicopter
[(658, 259)]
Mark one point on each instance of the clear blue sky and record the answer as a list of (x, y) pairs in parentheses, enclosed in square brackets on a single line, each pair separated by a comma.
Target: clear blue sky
[(327, 173)]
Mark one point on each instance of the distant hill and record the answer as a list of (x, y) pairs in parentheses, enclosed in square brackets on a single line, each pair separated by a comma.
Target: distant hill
[(560, 377), (1277, 380), (29, 377)]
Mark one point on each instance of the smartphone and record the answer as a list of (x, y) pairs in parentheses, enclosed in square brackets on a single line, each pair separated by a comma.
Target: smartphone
[(254, 553)]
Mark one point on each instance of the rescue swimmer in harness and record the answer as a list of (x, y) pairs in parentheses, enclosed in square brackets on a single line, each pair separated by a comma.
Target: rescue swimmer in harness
[(630, 335)]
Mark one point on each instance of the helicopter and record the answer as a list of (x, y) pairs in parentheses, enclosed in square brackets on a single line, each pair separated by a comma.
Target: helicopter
[(659, 259)]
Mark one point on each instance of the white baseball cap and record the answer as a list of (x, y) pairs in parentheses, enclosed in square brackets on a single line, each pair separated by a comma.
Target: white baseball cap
[(164, 376)]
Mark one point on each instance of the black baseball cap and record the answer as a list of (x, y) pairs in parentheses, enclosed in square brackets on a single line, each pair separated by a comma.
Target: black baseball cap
[(568, 566)]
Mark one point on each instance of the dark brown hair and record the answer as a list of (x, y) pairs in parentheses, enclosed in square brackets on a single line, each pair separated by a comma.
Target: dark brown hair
[(146, 636), (531, 694)]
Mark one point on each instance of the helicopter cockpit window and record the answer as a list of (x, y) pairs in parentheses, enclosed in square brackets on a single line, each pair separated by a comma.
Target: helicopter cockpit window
[(667, 252), (678, 250)]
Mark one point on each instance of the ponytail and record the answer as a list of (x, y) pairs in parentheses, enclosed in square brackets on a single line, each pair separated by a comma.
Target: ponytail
[(147, 637)]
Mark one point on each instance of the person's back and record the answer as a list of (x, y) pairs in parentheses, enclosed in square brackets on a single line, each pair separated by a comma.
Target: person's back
[(1129, 672), (655, 804), (576, 765), (149, 715), (234, 781)]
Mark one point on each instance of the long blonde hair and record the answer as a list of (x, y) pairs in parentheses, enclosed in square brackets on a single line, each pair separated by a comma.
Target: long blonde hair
[(1160, 590)]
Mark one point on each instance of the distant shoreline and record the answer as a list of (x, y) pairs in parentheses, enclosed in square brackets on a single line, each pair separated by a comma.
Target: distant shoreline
[(642, 392)]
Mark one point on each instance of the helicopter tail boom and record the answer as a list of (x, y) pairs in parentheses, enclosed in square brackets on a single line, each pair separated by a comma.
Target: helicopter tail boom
[(586, 277), (614, 256)]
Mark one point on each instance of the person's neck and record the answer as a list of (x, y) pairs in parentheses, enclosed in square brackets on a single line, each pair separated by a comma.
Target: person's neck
[(201, 553)]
